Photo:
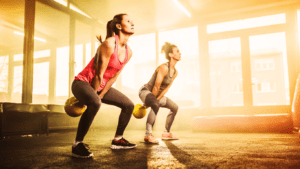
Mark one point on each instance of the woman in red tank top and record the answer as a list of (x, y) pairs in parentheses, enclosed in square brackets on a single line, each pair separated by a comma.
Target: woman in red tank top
[(93, 85)]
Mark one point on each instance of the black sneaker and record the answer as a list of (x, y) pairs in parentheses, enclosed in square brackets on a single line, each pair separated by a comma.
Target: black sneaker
[(121, 144), (82, 150)]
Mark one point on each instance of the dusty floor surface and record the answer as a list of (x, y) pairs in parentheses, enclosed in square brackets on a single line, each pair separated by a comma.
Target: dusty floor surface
[(192, 150)]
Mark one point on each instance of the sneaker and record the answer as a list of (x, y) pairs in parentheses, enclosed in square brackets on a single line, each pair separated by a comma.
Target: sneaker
[(121, 144), (168, 136), (82, 150), (150, 139)]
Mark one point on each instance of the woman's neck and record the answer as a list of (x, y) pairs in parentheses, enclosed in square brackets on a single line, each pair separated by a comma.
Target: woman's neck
[(123, 38), (172, 63)]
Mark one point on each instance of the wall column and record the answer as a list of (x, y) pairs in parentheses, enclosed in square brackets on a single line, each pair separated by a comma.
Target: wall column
[(27, 84)]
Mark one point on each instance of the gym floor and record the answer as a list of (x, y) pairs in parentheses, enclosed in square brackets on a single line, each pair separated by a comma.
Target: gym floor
[(192, 150)]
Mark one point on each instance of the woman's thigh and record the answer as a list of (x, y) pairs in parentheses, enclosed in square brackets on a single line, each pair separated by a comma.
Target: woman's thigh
[(116, 98), (83, 92)]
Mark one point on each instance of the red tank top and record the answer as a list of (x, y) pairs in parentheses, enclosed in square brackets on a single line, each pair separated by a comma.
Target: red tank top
[(114, 65)]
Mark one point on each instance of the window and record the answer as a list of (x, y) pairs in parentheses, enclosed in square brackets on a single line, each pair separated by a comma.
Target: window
[(17, 85), (237, 88), (11, 44), (246, 23), (185, 90), (264, 64), (3, 78), (225, 72), (269, 69), (40, 91), (141, 66), (236, 67), (62, 74), (266, 87)]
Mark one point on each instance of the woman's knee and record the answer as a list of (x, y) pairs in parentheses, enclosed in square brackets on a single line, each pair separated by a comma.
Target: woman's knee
[(129, 106), (151, 100), (95, 103), (174, 108)]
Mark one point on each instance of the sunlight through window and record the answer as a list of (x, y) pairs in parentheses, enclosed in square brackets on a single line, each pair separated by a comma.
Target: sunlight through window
[(269, 69), (225, 73), (141, 66), (63, 2), (246, 23), (3, 78), (186, 87)]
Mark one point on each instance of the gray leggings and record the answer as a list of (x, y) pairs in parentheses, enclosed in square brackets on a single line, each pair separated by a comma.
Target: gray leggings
[(150, 100), (85, 94)]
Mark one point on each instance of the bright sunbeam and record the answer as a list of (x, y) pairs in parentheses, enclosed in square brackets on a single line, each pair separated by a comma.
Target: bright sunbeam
[(22, 34), (182, 8)]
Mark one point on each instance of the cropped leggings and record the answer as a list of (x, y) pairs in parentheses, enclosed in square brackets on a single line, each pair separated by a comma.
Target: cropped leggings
[(85, 94), (150, 100)]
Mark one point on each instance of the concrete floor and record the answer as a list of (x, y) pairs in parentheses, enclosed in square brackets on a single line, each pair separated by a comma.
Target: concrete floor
[(193, 150)]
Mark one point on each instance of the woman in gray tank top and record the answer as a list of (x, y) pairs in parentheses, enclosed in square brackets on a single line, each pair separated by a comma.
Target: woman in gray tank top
[(152, 93)]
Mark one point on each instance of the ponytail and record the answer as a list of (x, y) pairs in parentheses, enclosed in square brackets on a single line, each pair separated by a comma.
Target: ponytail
[(111, 28)]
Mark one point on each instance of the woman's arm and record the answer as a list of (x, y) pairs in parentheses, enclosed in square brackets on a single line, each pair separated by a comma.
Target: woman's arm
[(104, 51), (167, 88), (112, 80), (161, 73)]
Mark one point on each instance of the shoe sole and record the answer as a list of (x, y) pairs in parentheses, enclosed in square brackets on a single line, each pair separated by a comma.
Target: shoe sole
[(149, 142), (146, 142), (169, 138), (122, 147), (78, 156)]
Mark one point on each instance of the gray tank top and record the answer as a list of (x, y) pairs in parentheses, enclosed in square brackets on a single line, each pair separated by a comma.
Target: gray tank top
[(166, 81)]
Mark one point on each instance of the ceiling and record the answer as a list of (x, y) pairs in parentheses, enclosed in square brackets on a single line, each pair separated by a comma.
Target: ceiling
[(151, 15), (148, 16)]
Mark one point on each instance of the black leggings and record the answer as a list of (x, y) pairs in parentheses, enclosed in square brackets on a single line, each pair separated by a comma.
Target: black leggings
[(85, 94)]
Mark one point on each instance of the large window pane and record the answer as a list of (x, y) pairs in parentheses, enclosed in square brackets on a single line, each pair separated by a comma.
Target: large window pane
[(11, 44), (3, 78), (141, 66), (82, 40), (185, 90), (52, 26), (17, 84), (78, 58), (40, 91), (226, 72), (270, 85), (62, 75), (88, 53), (40, 83)]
